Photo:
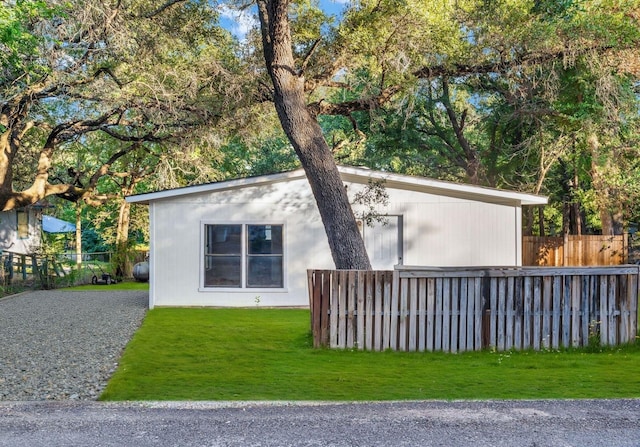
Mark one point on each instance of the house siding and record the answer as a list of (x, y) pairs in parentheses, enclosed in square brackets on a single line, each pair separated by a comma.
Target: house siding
[(438, 231), (9, 240), (446, 231), (177, 251)]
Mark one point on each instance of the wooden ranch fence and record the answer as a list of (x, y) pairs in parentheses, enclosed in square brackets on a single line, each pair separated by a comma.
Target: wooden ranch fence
[(42, 269), (454, 310)]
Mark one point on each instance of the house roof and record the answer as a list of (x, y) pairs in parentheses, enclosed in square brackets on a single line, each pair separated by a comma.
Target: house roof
[(358, 175), (52, 224)]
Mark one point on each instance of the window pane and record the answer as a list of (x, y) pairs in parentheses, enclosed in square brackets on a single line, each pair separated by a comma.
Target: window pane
[(223, 256), (222, 271), (223, 240), (264, 239), (264, 271), (23, 224)]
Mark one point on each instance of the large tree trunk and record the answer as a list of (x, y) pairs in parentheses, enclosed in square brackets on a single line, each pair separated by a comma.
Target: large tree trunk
[(541, 223), (78, 236), (40, 187), (122, 239), (122, 228), (609, 207), (305, 135), (471, 157)]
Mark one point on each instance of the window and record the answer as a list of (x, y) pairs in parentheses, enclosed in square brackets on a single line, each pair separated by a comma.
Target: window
[(264, 256), (223, 255), (23, 223), (243, 256)]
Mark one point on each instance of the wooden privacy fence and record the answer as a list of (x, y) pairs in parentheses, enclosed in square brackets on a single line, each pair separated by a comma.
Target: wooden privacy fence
[(574, 250), (454, 310)]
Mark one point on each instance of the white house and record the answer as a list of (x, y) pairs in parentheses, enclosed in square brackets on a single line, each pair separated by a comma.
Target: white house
[(20, 230), (249, 241)]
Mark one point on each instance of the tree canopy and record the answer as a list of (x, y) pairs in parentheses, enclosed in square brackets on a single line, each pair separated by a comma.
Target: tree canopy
[(126, 74), (535, 95)]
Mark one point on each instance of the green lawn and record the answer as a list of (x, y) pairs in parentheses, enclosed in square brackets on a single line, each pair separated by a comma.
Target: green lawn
[(125, 285), (266, 354)]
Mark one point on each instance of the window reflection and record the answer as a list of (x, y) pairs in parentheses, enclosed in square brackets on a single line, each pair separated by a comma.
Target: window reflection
[(262, 256)]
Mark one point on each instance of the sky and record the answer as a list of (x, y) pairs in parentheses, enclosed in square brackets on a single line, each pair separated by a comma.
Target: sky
[(239, 22)]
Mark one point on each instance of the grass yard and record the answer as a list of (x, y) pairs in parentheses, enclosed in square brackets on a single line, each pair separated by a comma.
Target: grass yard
[(266, 354), (125, 285)]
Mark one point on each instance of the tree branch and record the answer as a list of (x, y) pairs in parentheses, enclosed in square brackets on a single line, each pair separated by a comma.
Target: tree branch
[(110, 74), (162, 8), (307, 57), (102, 170), (502, 66), (149, 136), (348, 107)]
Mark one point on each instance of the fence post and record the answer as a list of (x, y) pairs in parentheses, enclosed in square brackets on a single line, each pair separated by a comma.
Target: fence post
[(324, 307), (413, 317), (2, 270), (23, 266), (361, 329), (387, 311), (455, 315), (611, 336), (10, 267), (479, 304), (395, 291), (335, 291), (369, 304), (431, 306), (634, 295), (446, 314), (402, 331), (422, 314), (377, 318), (315, 296)]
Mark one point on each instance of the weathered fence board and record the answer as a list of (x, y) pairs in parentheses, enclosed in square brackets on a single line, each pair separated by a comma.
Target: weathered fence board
[(42, 270), (576, 250), (454, 310), (422, 312)]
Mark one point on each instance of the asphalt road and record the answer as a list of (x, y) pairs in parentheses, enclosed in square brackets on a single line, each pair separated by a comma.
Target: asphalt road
[(581, 423)]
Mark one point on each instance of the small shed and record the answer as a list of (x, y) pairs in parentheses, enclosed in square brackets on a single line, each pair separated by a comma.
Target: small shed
[(250, 241), (20, 230)]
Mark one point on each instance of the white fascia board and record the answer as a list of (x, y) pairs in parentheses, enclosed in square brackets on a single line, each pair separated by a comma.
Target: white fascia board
[(216, 186), (438, 186), (358, 175)]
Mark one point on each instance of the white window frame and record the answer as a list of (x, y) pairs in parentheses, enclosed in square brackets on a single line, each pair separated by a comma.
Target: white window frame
[(243, 258)]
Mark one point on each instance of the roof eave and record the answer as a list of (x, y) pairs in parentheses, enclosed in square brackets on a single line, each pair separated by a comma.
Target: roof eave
[(356, 174), (421, 183), (146, 198)]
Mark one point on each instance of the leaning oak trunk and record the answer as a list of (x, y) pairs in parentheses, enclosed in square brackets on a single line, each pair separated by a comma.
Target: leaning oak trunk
[(305, 135)]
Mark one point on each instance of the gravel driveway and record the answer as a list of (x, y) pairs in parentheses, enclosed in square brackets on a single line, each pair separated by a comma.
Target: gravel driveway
[(60, 345)]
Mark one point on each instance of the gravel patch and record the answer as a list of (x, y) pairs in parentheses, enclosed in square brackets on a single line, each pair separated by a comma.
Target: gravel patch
[(63, 345)]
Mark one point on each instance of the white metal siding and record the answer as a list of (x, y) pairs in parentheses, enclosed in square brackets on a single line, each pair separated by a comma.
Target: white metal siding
[(460, 234), (178, 246), (9, 239), (438, 231), (444, 231)]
